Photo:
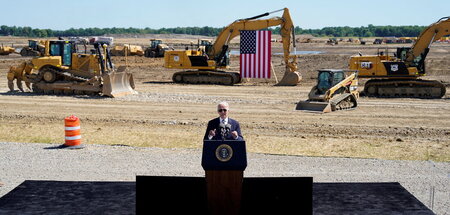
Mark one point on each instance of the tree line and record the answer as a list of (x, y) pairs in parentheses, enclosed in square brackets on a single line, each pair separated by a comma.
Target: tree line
[(369, 31)]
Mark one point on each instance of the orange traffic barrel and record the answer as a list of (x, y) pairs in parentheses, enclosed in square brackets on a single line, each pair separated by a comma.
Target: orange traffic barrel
[(72, 132)]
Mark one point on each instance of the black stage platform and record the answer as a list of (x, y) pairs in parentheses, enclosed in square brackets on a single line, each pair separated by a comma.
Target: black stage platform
[(187, 194)]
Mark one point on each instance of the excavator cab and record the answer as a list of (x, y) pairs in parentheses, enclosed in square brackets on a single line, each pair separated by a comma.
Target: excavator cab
[(418, 62), (204, 45)]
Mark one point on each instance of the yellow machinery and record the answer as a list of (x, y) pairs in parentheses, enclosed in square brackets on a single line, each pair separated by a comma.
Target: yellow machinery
[(397, 76), (157, 48), (203, 43), (204, 67), (334, 91), (6, 50), (64, 71), (127, 50), (34, 48)]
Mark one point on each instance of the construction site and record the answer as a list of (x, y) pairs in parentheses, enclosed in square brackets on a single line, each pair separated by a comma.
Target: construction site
[(141, 98)]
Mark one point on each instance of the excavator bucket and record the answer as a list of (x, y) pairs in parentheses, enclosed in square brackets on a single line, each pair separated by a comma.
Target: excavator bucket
[(290, 79), (314, 106), (118, 83)]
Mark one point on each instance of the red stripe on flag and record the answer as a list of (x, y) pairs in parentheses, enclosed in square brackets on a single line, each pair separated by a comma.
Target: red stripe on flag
[(269, 53), (261, 51), (256, 55), (240, 65), (263, 54)]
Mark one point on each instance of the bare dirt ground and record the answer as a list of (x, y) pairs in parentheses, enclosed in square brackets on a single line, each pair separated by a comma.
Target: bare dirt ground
[(169, 115)]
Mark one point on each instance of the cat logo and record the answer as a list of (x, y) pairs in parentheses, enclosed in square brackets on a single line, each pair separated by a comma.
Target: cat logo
[(394, 67), (366, 65)]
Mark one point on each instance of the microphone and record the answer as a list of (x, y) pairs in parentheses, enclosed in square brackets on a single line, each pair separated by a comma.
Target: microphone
[(227, 129), (222, 130)]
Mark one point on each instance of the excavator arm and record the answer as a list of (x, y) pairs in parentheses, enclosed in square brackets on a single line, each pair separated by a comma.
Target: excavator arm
[(291, 76), (432, 33)]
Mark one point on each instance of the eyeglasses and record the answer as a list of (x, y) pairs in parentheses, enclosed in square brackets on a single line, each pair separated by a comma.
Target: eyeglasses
[(220, 110)]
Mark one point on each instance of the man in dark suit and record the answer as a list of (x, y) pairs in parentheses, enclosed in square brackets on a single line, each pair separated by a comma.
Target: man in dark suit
[(213, 132)]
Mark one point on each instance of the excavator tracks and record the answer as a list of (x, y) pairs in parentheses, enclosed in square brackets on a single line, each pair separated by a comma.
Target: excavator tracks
[(207, 77), (406, 88)]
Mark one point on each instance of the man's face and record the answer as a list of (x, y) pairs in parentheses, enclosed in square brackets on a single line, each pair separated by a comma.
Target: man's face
[(223, 111)]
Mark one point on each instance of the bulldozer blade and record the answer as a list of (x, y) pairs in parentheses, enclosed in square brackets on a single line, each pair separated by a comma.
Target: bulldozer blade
[(118, 84), (290, 79), (312, 106)]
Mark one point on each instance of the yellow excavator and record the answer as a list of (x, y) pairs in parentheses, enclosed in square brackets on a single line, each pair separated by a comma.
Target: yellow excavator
[(335, 90), (398, 75), (62, 70), (204, 67)]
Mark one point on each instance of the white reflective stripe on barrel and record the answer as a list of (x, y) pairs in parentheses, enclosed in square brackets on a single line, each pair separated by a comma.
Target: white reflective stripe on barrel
[(73, 138), (72, 128)]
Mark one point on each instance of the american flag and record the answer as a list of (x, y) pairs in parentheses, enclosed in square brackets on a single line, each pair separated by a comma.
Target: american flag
[(255, 54)]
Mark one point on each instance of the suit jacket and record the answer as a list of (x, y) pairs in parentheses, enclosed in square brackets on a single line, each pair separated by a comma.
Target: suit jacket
[(214, 124)]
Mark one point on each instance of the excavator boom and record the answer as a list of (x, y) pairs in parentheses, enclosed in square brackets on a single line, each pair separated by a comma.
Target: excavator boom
[(432, 33)]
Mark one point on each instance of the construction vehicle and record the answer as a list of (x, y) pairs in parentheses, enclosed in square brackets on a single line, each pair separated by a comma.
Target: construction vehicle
[(378, 41), (127, 50), (6, 50), (335, 90), (398, 75), (332, 41), (64, 71), (444, 39), (34, 48), (203, 43), (204, 67), (103, 40), (406, 40), (157, 48), (390, 40)]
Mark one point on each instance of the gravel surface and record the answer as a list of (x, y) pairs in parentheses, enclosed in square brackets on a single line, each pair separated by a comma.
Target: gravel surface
[(25, 161)]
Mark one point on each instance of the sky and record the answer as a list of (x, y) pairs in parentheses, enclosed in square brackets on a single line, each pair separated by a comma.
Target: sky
[(63, 14)]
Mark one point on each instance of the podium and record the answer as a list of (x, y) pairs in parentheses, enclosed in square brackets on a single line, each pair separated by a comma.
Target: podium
[(224, 162)]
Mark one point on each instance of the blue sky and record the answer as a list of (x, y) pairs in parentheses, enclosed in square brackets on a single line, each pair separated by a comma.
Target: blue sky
[(62, 14)]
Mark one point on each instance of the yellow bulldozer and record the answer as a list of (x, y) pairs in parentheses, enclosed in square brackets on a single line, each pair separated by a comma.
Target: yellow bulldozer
[(335, 90), (127, 50), (62, 70), (6, 50)]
